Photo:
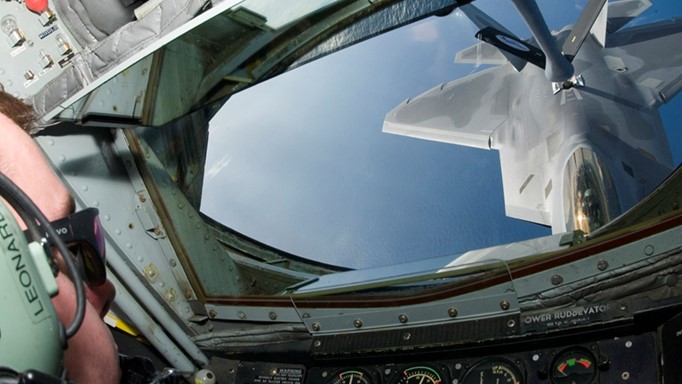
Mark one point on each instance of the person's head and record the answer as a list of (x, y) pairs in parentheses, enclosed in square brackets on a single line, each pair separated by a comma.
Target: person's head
[(91, 355)]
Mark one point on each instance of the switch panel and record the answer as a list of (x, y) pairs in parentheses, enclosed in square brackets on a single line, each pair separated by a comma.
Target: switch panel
[(34, 48)]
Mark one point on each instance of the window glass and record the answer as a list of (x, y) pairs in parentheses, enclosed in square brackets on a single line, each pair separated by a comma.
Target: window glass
[(300, 162)]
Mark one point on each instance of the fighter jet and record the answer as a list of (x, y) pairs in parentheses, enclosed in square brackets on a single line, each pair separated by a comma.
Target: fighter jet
[(578, 130), (125, 97)]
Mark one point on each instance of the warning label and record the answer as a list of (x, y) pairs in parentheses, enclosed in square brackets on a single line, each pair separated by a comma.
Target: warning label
[(259, 373)]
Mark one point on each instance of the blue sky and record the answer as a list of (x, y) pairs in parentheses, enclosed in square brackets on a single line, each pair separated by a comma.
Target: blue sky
[(300, 162)]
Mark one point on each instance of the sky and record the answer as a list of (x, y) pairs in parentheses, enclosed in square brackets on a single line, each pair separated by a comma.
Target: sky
[(300, 162)]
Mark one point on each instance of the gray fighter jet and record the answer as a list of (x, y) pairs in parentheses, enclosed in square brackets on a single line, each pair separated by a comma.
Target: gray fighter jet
[(573, 113), (125, 91)]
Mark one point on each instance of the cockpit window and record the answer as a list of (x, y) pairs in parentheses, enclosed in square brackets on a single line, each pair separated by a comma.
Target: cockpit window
[(417, 144), (317, 177)]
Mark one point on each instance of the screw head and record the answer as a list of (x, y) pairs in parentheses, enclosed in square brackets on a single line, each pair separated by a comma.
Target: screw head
[(316, 327), (357, 323), (557, 279), (504, 304), (403, 319), (452, 312)]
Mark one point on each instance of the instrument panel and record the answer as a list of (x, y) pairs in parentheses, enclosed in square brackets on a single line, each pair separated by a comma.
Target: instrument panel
[(619, 360), (577, 364), (632, 359)]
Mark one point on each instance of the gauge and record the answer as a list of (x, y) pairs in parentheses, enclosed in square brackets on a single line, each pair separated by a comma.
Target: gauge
[(419, 375), (350, 377), (574, 366), (493, 371)]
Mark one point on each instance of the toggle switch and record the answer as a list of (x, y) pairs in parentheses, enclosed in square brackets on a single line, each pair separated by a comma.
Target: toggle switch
[(46, 60)]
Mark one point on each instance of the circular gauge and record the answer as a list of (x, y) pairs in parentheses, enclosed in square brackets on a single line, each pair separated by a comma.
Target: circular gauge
[(419, 375), (574, 366), (494, 371), (350, 377)]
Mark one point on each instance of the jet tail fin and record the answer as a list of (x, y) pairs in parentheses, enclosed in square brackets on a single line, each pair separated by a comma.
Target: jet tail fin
[(622, 11), (513, 45), (600, 18), (480, 53), (482, 21)]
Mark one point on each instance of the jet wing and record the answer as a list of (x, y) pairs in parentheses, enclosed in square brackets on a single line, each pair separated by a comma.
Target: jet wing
[(649, 54), (465, 112), (473, 111), (526, 181)]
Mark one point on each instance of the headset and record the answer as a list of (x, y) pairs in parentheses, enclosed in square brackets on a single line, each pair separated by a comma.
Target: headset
[(32, 338)]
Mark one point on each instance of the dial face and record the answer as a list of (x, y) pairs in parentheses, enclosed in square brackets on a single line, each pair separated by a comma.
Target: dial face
[(495, 371), (350, 377), (419, 375), (574, 366)]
